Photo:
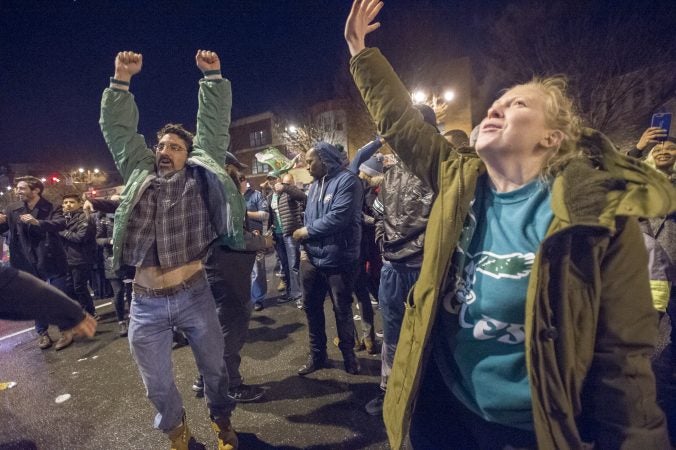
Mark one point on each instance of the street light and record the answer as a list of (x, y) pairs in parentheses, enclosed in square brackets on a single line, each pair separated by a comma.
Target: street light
[(9, 188), (449, 95), (43, 180), (291, 129), (81, 170), (419, 96), (96, 170)]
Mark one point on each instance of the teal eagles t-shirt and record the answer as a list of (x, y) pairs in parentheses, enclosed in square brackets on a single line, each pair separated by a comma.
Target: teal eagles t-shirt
[(479, 337)]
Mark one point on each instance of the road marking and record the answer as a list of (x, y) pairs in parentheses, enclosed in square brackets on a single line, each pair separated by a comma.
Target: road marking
[(33, 328)]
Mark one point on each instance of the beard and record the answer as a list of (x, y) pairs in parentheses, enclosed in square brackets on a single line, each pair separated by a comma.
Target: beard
[(165, 165)]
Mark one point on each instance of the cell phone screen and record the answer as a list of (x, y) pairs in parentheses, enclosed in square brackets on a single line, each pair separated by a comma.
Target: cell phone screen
[(661, 120)]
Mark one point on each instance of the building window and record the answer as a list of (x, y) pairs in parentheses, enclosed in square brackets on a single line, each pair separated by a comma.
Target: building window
[(258, 167), (258, 138)]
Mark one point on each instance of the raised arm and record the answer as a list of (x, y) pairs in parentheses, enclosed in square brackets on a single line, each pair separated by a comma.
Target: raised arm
[(119, 118), (364, 153), (359, 23), (649, 138), (295, 193), (213, 115), (415, 142)]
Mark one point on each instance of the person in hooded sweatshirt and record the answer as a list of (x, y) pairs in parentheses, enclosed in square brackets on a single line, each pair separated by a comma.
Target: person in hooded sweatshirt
[(331, 238)]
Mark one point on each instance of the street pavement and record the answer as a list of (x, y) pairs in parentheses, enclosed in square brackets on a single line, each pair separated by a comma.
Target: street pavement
[(107, 408)]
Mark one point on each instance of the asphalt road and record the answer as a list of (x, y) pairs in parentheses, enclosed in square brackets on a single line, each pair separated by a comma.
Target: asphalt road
[(107, 408)]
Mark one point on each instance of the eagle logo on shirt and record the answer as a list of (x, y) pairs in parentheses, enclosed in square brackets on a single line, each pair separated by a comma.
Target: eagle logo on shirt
[(514, 265), (511, 266)]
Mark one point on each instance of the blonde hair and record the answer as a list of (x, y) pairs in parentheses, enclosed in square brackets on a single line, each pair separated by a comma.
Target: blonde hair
[(373, 181), (650, 159), (560, 114)]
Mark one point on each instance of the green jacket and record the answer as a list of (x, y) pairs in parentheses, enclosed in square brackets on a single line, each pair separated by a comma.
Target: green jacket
[(136, 162), (590, 325)]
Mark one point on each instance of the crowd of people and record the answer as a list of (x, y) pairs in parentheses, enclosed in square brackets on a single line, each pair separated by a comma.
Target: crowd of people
[(519, 305)]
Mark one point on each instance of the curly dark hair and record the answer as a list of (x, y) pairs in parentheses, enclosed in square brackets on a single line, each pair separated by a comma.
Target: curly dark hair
[(178, 130)]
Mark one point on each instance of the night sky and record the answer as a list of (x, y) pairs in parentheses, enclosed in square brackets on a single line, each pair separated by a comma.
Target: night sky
[(56, 57)]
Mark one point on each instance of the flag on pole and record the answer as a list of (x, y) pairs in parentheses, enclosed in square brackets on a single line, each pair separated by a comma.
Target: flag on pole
[(278, 162)]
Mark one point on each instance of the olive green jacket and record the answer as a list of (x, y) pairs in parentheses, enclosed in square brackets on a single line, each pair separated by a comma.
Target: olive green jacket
[(590, 325), (136, 162)]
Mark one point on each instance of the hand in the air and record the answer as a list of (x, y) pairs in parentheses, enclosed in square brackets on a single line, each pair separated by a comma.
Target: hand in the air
[(207, 60), (127, 64), (358, 23)]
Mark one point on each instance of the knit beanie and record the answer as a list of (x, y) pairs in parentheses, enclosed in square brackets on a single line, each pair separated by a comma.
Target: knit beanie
[(373, 166), (428, 114)]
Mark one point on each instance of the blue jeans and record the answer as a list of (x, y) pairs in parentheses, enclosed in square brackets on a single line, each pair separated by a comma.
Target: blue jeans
[(289, 254), (396, 280), (193, 311), (259, 282), (61, 283)]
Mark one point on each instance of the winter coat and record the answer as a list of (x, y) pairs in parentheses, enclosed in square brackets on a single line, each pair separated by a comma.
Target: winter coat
[(333, 213), (136, 162), (79, 239), (104, 236), (663, 229), (36, 249), (660, 268), (291, 205), (404, 203), (590, 325)]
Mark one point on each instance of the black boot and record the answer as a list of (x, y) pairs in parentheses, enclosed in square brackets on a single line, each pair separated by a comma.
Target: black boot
[(313, 364), (198, 386), (351, 363)]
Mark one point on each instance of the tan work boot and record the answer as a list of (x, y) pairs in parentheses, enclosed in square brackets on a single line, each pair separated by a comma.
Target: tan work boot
[(227, 438), (45, 341), (370, 346), (180, 436), (64, 341), (358, 344), (281, 287)]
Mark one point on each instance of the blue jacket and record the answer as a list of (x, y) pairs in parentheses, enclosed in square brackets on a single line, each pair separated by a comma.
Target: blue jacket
[(333, 213)]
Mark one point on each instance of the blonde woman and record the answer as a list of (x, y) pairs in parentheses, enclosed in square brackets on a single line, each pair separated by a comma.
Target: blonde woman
[(531, 323)]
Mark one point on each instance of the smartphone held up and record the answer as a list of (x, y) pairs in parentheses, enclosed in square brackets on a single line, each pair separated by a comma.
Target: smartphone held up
[(663, 121)]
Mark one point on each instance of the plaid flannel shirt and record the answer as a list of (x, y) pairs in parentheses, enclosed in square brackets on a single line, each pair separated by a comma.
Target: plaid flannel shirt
[(172, 214)]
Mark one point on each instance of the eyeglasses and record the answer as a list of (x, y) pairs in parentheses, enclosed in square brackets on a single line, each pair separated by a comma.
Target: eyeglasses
[(172, 147)]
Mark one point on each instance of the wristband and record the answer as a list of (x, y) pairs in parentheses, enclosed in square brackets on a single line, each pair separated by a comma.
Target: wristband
[(120, 82), (211, 72)]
